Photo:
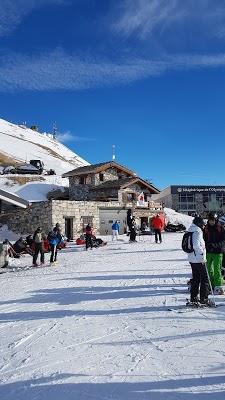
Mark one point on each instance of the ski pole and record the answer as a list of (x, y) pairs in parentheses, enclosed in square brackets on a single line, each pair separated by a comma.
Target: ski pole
[(210, 285)]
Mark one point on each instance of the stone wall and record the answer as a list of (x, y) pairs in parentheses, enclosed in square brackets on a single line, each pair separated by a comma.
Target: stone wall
[(26, 221), (47, 214), (83, 192)]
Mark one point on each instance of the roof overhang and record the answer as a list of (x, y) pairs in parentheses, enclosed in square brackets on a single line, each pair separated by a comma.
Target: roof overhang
[(13, 199), (144, 183), (96, 169), (115, 165)]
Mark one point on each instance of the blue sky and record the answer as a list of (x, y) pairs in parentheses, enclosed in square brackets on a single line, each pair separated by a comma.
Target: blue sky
[(147, 76)]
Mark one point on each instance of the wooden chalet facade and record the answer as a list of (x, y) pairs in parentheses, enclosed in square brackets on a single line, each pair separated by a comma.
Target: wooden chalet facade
[(115, 189)]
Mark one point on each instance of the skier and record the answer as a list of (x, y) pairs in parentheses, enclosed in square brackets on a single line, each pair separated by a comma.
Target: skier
[(197, 260)]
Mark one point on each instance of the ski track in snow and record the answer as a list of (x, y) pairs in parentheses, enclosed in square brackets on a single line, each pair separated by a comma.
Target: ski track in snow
[(97, 327)]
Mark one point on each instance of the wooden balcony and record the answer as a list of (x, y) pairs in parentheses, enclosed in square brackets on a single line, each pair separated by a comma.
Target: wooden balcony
[(150, 205)]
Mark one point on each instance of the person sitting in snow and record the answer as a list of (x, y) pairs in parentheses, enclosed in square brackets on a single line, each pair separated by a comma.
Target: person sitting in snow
[(20, 245)]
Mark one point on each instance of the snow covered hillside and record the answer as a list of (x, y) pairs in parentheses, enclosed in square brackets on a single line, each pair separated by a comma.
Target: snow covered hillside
[(20, 144)]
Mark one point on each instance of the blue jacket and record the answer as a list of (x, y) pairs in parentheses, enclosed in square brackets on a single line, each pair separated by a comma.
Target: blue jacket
[(115, 226), (56, 239)]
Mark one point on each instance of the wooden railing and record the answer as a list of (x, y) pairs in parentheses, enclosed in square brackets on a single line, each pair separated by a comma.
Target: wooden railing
[(151, 205)]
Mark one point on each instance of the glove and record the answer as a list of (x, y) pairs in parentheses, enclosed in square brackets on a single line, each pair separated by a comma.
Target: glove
[(209, 248), (213, 247)]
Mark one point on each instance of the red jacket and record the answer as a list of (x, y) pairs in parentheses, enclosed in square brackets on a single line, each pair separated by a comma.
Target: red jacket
[(157, 223)]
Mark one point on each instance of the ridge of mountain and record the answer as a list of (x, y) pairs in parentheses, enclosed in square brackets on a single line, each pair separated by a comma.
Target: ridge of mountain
[(19, 145), (22, 144)]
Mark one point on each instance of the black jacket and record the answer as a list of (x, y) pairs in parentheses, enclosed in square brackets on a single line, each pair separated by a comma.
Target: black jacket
[(214, 236)]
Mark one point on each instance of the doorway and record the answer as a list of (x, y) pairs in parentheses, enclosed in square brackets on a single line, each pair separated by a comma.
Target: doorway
[(69, 228)]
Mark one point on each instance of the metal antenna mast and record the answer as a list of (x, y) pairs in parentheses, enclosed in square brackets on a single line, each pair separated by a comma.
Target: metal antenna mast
[(54, 130)]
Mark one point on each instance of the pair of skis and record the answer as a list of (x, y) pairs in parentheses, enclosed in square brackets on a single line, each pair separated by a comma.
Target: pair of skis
[(192, 306)]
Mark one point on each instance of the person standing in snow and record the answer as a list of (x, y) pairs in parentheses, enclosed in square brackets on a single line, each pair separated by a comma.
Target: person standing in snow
[(57, 227), (88, 239), (131, 225), (157, 225), (214, 236), (54, 238), (197, 259), (133, 233), (222, 223), (38, 246), (115, 230)]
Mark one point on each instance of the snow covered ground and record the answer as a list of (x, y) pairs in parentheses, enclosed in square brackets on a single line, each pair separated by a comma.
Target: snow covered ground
[(97, 327)]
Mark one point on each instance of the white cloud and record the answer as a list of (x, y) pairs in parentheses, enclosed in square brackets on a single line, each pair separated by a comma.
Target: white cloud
[(12, 12), (58, 70), (147, 18), (69, 137)]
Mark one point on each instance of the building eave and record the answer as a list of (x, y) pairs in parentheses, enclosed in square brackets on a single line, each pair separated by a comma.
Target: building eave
[(11, 198), (97, 168)]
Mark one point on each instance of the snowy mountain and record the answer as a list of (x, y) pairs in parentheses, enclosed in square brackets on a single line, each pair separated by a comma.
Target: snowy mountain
[(18, 145)]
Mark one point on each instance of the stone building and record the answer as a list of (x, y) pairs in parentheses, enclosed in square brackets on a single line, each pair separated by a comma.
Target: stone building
[(99, 194)]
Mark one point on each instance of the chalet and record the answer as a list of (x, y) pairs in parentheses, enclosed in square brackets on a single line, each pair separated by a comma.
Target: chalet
[(114, 189), (99, 194)]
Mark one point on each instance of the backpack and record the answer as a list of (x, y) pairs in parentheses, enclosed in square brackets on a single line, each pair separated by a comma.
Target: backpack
[(51, 235), (38, 237), (187, 243)]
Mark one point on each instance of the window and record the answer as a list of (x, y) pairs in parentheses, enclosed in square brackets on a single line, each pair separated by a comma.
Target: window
[(206, 197), (101, 177), (220, 197), (187, 202), (131, 196), (82, 180)]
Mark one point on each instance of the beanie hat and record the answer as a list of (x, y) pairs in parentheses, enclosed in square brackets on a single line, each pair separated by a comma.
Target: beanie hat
[(198, 221), (211, 216), (222, 219)]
